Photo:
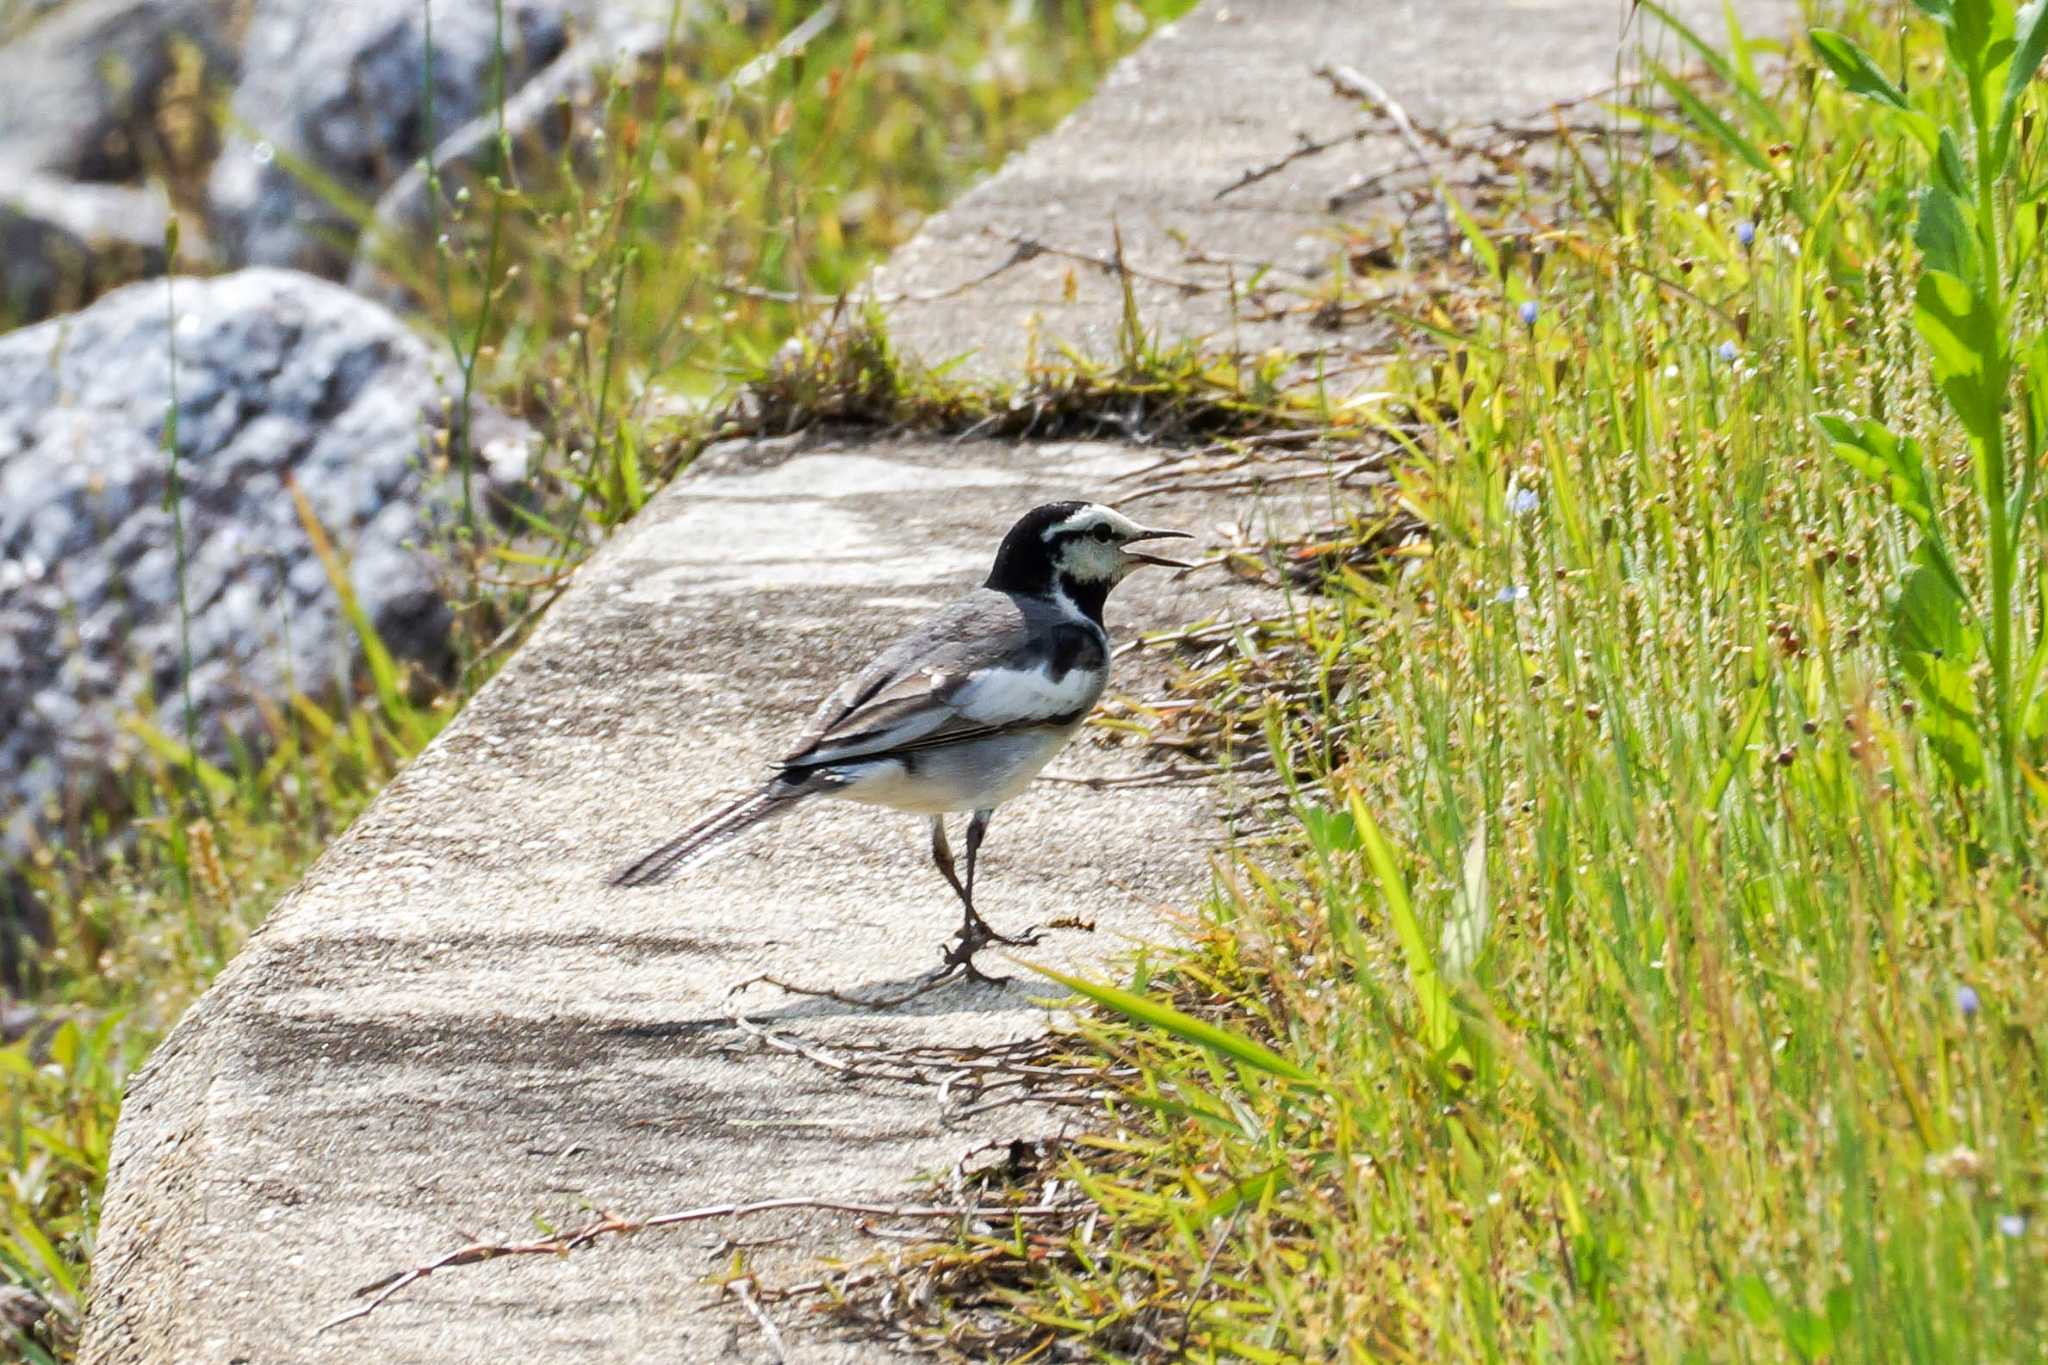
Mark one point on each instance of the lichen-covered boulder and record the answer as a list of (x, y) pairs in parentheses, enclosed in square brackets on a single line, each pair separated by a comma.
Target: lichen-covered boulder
[(282, 381), (536, 122), (101, 103), (63, 241), (339, 90), (85, 85)]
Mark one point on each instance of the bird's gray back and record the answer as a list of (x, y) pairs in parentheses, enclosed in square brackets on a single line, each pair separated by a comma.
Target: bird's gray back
[(972, 633)]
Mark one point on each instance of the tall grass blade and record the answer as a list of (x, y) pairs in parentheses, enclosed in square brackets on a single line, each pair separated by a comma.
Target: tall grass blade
[(1156, 1014)]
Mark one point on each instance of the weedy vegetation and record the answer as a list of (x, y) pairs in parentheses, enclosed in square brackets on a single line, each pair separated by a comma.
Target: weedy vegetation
[(761, 158), (1647, 962), (1651, 965)]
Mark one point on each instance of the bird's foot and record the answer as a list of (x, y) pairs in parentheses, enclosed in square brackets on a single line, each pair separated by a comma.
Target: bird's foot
[(977, 931), (974, 936)]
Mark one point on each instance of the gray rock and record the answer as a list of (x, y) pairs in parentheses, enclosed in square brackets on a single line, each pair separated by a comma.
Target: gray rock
[(24, 930), (537, 122), (81, 83), (62, 242), (281, 380), (21, 1309), (337, 90)]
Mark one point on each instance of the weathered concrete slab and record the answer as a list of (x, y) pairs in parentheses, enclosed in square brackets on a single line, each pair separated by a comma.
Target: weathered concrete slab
[(1228, 90), (453, 1024)]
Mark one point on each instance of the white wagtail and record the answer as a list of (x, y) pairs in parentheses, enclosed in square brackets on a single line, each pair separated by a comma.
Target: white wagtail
[(962, 712)]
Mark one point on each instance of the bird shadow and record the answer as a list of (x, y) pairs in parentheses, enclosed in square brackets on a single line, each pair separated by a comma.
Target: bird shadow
[(902, 996)]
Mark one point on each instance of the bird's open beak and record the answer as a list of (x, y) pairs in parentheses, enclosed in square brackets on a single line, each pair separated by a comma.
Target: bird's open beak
[(1160, 560)]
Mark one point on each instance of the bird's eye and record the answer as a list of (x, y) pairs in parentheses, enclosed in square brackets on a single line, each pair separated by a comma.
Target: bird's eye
[(1102, 532)]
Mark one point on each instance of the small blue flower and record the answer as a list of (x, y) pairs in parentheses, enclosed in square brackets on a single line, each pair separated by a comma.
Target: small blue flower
[(1523, 501), (1529, 312), (1745, 233), (1967, 1003), (1511, 594), (2013, 1224), (1729, 352)]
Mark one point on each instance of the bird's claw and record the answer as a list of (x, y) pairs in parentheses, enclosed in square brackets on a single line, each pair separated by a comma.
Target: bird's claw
[(976, 935)]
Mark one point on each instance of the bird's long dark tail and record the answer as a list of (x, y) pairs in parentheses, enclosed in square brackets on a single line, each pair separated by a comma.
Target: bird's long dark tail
[(704, 837)]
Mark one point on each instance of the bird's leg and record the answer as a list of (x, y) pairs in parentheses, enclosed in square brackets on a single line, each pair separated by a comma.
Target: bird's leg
[(942, 854), (977, 828), (975, 933)]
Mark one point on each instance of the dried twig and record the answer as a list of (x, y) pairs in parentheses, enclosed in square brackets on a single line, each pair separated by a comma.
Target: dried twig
[(1024, 251), (1109, 264), (380, 1292), (743, 1290), (1350, 81), (969, 1080), (1187, 1321), (1306, 148), (939, 976)]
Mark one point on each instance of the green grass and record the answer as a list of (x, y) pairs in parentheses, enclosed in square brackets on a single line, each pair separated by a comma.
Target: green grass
[(656, 255), (1652, 967)]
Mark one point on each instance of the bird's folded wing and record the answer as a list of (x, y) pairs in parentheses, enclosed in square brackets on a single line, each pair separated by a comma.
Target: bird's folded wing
[(934, 705), (899, 712)]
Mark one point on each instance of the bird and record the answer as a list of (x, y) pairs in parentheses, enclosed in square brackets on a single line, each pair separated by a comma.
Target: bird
[(960, 713)]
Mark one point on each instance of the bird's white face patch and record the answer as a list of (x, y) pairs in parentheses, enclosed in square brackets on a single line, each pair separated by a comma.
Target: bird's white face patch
[(1089, 545)]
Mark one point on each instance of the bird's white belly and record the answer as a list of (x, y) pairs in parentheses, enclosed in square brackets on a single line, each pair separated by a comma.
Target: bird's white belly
[(973, 775)]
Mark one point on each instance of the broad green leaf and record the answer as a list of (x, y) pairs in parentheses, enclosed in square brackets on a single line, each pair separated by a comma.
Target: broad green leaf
[(1930, 617), (2031, 35), (1898, 465), (1963, 342), (2034, 374), (1854, 68), (2026, 235), (1157, 1014), (1753, 1298), (2033, 697), (1970, 34), (1806, 1331), (1329, 831), (1944, 231), (1935, 645), (1951, 172)]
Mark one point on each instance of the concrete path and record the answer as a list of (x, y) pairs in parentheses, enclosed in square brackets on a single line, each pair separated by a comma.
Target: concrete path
[(453, 1026), (1161, 155)]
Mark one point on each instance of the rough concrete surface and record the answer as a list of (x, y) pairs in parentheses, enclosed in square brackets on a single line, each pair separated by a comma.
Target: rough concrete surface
[(453, 1024), (1227, 90)]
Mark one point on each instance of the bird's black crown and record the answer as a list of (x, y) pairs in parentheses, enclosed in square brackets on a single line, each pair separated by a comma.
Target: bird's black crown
[(1024, 562), (1028, 562)]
